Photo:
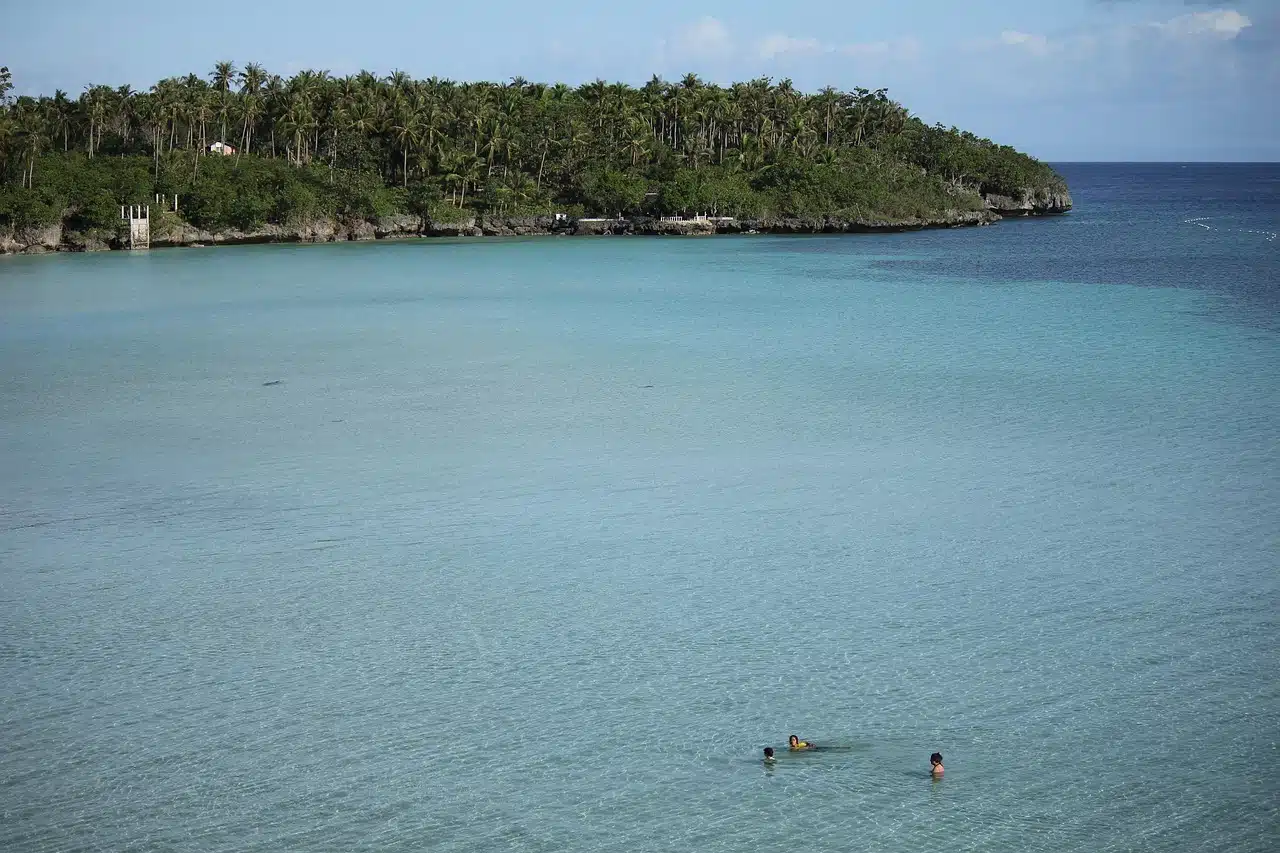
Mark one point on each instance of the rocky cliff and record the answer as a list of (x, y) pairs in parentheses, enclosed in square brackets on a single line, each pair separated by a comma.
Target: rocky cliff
[(861, 225), (174, 232), (31, 241), (1042, 201)]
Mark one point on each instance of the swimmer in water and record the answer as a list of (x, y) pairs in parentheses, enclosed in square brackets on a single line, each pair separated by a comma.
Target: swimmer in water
[(935, 762), (768, 755), (797, 745)]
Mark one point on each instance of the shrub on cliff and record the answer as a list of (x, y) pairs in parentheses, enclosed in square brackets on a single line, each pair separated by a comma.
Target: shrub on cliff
[(362, 195), (608, 191), (34, 208), (98, 211), (715, 190)]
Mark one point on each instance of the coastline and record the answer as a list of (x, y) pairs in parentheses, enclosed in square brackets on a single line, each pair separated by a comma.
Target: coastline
[(173, 233)]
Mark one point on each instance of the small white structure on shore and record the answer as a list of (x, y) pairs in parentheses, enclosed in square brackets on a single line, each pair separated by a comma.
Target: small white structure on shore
[(222, 148), (139, 218), (699, 217)]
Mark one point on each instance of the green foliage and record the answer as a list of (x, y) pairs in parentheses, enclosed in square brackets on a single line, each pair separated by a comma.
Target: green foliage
[(712, 190), (447, 213), (295, 201), (208, 203), (608, 191), (97, 210), (360, 195), (249, 211), (962, 159), (23, 208), (422, 198), (365, 147)]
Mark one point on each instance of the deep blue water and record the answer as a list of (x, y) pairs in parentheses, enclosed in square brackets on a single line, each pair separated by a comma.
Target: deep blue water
[(537, 543)]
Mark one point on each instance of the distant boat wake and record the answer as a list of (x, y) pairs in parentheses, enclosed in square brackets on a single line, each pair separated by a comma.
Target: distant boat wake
[(1269, 236)]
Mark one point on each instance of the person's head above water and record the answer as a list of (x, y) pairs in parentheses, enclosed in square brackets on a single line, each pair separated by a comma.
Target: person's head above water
[(795, 743), (936, 761), (768, 753)]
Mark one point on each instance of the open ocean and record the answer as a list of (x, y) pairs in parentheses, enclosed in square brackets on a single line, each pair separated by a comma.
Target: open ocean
[(532, 545)]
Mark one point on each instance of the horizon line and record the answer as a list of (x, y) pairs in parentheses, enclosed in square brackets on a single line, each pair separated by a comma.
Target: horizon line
[(1052, 161)]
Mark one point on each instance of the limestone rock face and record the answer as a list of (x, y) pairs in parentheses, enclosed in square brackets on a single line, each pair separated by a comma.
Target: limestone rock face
[(835, 225), (75, 241), (307, 231), (361, 230), (180, 235), (320, 230), (400, 225), (32, 241), (677, 227), (171, 231), (599, 227), (520, 226), (464, 228), (1042, 201)]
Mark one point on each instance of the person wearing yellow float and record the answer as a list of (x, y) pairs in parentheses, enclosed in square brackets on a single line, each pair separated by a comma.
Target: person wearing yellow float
[(798, 745)]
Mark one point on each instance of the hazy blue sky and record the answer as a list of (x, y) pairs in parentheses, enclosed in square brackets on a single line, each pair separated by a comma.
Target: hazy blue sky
[(1062, 79)]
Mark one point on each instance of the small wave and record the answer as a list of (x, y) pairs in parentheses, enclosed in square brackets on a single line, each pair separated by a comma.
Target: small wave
[(1269, 236)]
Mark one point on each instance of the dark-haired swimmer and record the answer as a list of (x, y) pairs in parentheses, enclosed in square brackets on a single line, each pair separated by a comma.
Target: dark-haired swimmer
[(768, 755), (798, 745), (935, 764)]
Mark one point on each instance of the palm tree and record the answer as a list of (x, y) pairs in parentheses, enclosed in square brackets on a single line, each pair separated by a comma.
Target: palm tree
[(31, 133), (406, 132), (274, 94), (94, 102), (61, 115), (499, 144), (223, 75), (123, 116), (469, 169), (827, 102)]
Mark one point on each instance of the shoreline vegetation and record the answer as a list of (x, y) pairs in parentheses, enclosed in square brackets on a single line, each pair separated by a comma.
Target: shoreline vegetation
[(245, 156)]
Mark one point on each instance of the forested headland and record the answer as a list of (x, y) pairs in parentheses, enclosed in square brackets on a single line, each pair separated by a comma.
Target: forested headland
[(254, 155)]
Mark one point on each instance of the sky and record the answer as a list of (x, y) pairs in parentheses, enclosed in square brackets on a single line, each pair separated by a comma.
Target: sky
[(1064, 80)]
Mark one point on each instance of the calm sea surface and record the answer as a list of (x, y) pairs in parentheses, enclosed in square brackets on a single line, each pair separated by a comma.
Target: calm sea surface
[(533, 545)]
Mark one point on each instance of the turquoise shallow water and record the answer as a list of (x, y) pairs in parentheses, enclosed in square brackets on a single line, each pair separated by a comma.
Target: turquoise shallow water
[(537, 543)]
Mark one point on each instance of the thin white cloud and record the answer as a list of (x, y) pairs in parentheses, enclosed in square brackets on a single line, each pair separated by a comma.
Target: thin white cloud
[(903, 49), (1219, 23), (1033, 43), (706, 38), (780, 44)]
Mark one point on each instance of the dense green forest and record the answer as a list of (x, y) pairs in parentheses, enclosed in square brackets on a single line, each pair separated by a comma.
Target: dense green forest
[(367, 146)]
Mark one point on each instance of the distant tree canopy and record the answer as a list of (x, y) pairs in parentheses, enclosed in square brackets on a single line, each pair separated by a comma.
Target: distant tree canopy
[(367, 146)]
